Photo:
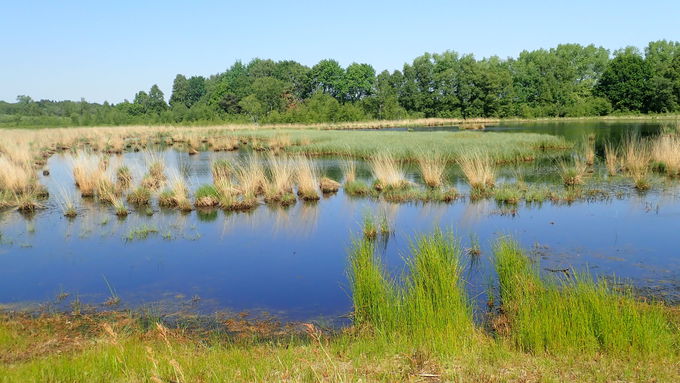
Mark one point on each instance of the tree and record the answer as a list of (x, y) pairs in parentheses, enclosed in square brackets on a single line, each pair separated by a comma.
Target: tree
[(180, 91), (327, 77), (625, 81), (252, 106), (358, 81), (269, 92), (156, 100)]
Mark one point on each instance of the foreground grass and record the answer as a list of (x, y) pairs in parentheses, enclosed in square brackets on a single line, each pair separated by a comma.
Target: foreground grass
[(118, 348)]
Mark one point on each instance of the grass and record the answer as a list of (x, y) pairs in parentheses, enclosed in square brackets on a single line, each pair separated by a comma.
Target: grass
[(432, 168), (612, 161), (573, 173), (307, 179), (403, 146), (207, 196), (281, 176), (387, 171), (140, 196), (15, 178), (478, 170), (87, 170), (665, 152), (576, 314), (67, 203), (508, 194), (349, 170), (356, 188), (221, 169), (328, 185), (250, 177), (428, 305)]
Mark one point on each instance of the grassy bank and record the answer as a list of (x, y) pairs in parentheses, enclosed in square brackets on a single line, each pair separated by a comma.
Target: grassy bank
[(415, 327)]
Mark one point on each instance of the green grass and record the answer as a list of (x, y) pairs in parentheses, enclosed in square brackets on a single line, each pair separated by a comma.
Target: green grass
[(502, 147), (577, 313), (141, 232), (427, 305)]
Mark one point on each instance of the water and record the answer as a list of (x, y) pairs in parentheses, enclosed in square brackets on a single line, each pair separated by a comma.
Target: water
[(292, 262)]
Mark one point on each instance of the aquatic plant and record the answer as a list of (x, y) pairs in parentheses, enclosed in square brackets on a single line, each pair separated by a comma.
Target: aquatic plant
[(478, 169), (356, 188), (432, 167), (67, 202), (250, 177), (221, 170), (575, 314), (349, 170), (307, 179), (139, 196), (124, 176), (665, 153), (387, 171), (508, 194), (281, 174), (207, 196), (87, 170), (140, 232), (611, 159), (573, 173)]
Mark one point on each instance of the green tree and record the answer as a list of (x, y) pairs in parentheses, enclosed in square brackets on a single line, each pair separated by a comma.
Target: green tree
[(327, 76), (625, 81), (156, 100)]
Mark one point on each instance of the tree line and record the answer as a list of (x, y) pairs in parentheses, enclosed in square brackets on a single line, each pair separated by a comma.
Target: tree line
[(570, 80)]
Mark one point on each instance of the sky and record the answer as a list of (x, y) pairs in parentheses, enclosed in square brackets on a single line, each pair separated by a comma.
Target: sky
[(110, 50)]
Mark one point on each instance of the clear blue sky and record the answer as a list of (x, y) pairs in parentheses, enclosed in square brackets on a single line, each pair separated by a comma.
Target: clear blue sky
[(108, 50)]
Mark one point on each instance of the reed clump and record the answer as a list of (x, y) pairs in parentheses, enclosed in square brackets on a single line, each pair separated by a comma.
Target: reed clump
[(387, 171), (16, 178), (207, 196), (636, 158), (307, 179), (432, 168), (478, 169), (573, 173), (141, 196), (612, 160), (575, 314), (221, 169), (665, 153), (281, 175)]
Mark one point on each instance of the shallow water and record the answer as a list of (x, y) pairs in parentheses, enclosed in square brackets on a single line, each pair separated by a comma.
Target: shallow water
[(292, 262)]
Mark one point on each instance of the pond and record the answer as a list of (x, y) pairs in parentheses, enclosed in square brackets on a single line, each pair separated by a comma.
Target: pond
[(291, 262)]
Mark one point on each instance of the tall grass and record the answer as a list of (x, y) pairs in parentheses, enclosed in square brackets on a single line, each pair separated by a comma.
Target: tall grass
[(281, 175), (307, 179), (427, 306), (15, 178), (250, 177), (636, 157), (576, 314), (432, 168), (665, 153), (387, 171), (87, 170), (478, 169), (611, 158), (573, 173), (349, 170)]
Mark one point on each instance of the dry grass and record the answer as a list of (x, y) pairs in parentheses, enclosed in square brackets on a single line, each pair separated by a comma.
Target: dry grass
[(387, 171), (307, 179), (281, 175), (432, 168), (16, 178), (636, 157), (612, 160), (478, 169), (349, 170), (87, 170), (665, 152), (250, 177)]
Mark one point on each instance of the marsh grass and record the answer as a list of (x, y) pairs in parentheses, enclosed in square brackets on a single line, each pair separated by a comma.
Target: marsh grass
[(349, 170), (576, 314), (432, 168), (612, 160), (221, 169), (67, 202), (428, 305), (15, 178), (328, 185), (508, 194), (88, 171), (356, 188), (636, 156), (573, 172), (307, 179), (281, 176), (387, 171), (665, 153), (140, 196), (478, 169), (207, 196), (124, 176), (250, 177)]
